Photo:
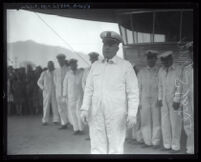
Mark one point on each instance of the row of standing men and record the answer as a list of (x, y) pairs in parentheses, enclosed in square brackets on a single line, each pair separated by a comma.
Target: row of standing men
[(166, 103), (24, 96), (63, 90)]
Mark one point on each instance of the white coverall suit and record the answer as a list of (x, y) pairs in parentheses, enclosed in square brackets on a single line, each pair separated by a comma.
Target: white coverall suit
[(72, 90), (171, 120), (46, 83), (62, 106), (149, 113), (112, 91), (186, 98)]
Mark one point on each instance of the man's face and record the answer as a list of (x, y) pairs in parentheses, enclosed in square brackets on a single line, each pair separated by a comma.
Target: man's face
[(167, 61), (50, 66), (109, 50), (151, 61), (93, 59), (73, 66), (61, 61)]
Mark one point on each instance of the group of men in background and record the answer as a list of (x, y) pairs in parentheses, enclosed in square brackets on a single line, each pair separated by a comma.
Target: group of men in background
[(24, 96), (166, 104), (63, 90)]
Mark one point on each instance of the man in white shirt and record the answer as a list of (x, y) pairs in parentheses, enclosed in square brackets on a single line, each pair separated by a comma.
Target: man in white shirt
[(73, 94), (171, 120), (46, 84), (112, 93), (185, 93), (148, 90), (58, 80), (93, 56)]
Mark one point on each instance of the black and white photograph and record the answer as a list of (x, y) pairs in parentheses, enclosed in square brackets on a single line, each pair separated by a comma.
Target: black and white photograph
[(99, 81)]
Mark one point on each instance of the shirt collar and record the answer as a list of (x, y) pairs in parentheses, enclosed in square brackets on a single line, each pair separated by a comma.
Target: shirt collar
[(111, 61), (171, 67), (190, 65), (153, 68)]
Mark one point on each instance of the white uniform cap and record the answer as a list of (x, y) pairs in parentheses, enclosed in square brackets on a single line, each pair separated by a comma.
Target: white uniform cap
[(151, 52), (111, 35), (165, 54)]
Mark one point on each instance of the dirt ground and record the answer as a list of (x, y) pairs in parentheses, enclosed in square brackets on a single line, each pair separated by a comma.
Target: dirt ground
[(26, 135)]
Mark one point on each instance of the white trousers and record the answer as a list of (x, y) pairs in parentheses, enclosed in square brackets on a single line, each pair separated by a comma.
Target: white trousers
[(171, 124), (107, 131), (49, 100), (188, 122), (74, 114), (150, 122), (63, 112)]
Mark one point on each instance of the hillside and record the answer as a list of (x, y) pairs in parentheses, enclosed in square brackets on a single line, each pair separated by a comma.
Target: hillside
[(40, 54)]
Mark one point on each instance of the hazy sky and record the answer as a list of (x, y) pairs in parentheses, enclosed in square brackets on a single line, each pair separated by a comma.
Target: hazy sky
[(81, 35)]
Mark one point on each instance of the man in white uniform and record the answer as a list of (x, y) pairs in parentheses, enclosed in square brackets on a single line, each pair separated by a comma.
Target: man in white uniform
[(112, 91), (46, 84), (149, 111), (73, 93), (93, 56), (58, 80), (186, 99), (171, 120)]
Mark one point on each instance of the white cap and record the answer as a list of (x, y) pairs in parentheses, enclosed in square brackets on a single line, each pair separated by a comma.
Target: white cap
[(165, 54), (151, 52), (111, 35)]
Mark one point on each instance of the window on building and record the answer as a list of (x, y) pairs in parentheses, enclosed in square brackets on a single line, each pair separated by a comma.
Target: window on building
[(130, 38), (159, 37), (167, 24), (123, 33), (144, 37), (155, 27), (187, 26)]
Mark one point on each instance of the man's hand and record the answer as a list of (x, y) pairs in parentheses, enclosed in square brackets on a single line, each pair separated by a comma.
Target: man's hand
[(175, 105), (84, 116), (131, 120), (159, 103)]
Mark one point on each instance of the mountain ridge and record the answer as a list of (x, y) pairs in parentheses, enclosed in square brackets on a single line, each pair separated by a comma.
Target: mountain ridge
[(39, 54)]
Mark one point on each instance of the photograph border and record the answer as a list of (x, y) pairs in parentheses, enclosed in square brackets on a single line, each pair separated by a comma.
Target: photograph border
[(146, 5)]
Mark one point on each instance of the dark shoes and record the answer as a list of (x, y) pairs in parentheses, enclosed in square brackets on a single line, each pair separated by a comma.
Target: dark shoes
[(81, 132), (44, 124), (78, 132), (63, 127), (56, 123)]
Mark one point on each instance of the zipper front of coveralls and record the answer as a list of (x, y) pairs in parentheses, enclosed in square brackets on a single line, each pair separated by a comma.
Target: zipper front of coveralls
[(102, 104)]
